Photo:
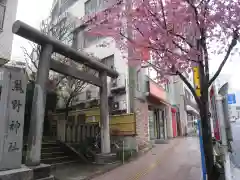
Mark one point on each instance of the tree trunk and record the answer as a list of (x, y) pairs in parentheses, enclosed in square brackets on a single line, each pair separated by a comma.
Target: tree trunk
[(207, 141)]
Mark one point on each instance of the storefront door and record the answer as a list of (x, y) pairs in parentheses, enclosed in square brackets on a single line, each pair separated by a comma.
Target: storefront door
[(162, 124), (152, 126)]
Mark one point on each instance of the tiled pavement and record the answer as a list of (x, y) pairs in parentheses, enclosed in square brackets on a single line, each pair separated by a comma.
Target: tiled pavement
[(180, 159)]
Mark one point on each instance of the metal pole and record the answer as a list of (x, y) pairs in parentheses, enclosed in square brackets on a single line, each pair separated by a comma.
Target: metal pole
[(220, 110), (38, 108), (123, 152), (104, 115), (204, 173)]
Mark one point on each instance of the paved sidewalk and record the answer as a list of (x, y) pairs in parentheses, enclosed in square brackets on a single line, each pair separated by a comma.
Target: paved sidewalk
[(180, 159)]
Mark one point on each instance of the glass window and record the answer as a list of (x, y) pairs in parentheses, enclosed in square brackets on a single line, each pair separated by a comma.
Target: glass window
[(89, 38), (91, 6), (55, 10), (65, 4), (109, 61), (166, 87)]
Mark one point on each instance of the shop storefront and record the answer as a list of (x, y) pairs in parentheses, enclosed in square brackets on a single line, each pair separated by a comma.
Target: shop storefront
[(156, 124), (192, 116), (157, 107), (174, 122)]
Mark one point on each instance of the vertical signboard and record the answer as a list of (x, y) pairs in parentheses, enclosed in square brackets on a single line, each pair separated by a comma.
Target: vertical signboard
[(12, 122), (196, 78), (231, 98)]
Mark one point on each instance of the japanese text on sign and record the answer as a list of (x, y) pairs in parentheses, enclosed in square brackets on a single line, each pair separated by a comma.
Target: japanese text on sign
[(16, 104), (17, 86), (197, 81), (12, 147), (14, 126)]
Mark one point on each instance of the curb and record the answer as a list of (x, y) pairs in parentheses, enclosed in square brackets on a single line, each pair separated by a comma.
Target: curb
[(118, 164), (98, 173)]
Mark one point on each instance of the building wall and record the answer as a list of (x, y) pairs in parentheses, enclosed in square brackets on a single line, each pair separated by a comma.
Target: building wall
[(179, 91), (6, 35), (77, 9), (142, 123), (234, 111), (121, 65)]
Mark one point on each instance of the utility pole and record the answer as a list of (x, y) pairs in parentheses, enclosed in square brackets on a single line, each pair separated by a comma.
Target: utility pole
[(131, 69)]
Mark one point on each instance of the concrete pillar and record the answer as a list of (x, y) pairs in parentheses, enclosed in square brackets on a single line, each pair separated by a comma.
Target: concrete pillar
[(169, 122), (104, 115), (165, 122), (38, 108)]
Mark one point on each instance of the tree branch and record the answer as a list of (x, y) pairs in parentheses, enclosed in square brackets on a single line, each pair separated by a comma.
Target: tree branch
[(190, 87), (195, 12), (231, 46)]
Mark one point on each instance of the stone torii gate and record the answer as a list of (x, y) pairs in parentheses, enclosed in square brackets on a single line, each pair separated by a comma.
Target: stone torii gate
[(49, 46)]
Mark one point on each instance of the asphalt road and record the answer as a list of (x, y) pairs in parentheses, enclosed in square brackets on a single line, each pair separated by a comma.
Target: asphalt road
[(235, 156)]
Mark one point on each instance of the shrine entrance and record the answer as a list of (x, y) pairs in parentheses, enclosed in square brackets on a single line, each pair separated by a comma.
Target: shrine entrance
[(46, 63)]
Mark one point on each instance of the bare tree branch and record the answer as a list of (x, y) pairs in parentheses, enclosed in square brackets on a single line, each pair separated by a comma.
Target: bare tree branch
[(190, 87), (231, 46)]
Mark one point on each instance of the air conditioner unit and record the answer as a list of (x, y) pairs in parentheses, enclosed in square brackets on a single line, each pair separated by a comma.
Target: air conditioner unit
[(114, 82), (119, 105), (116, 106)]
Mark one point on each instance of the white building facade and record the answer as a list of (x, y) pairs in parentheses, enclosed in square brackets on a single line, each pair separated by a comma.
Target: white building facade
[(156, 118), (8, 11), (186, 103)]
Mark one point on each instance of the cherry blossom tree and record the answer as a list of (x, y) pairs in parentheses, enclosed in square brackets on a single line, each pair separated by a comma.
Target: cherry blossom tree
[(180, 35)]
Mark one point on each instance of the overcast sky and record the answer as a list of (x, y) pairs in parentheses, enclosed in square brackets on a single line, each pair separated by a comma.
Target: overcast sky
[(33, 11)]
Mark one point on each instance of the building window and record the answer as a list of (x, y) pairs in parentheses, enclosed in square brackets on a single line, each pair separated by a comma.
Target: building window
[(109, 61), (55, 11), (91, 6), (65, 4), (2, 12), (88, 94), (166, 87), (89, 38)]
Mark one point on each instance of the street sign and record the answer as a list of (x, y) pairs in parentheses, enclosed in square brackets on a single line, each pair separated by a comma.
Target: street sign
[(197, 81), (231, 99)]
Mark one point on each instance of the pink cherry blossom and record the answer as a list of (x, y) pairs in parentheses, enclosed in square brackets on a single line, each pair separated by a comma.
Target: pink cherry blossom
[(169, 29)]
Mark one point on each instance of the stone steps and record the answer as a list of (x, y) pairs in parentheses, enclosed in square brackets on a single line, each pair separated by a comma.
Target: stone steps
[(53, 153)]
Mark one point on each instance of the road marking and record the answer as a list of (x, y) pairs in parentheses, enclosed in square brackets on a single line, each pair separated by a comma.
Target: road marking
[(152, 166)]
